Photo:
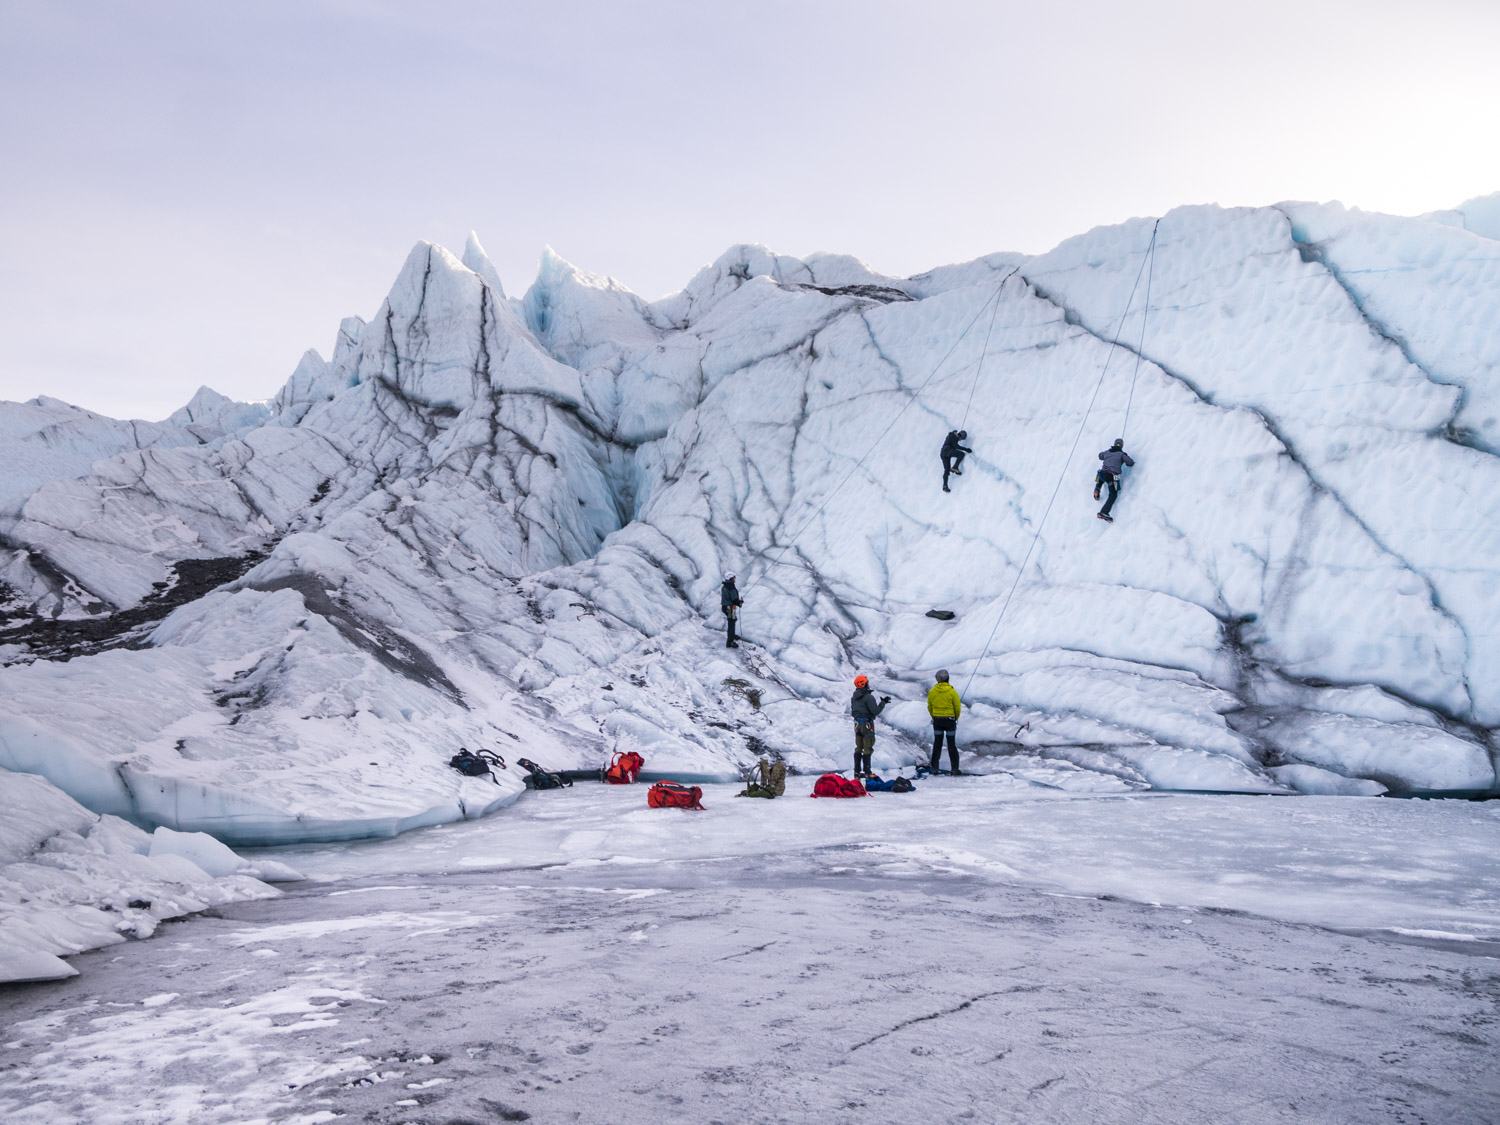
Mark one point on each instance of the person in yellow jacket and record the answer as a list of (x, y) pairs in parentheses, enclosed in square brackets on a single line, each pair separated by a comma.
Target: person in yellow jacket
[(944, 706)]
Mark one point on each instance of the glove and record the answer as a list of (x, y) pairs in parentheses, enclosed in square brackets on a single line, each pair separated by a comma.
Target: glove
[(884, 699)]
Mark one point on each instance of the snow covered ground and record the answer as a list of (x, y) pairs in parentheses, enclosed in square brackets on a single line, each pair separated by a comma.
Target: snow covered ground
[(965, 952)]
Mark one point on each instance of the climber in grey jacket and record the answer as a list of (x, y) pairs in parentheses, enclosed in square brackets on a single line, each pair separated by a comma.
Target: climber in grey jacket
[(1115, 459)]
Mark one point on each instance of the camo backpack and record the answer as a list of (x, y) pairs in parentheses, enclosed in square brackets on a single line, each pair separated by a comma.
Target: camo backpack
[(770, 783)]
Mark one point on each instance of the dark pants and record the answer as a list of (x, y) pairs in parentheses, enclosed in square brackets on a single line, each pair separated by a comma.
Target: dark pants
[(951, 463), (941, 727), (864, 746), (1113, 482), (730, 615)]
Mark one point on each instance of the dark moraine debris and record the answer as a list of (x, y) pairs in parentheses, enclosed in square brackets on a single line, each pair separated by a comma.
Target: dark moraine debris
[(42, 638), (885, 294)]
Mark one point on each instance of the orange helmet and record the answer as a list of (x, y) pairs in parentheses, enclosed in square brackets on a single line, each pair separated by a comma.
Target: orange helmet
[(861, 681)]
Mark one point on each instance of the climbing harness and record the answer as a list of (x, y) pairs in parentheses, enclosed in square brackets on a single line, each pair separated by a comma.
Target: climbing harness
[(1036, 536)]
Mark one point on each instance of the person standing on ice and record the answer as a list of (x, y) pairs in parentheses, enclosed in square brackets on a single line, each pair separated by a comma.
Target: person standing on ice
[(944, 706), (864, 707), (953, 455), (1114, 458), (730, 602)]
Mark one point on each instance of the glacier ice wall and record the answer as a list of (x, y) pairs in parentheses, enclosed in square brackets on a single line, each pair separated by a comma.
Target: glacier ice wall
[(502, 521)]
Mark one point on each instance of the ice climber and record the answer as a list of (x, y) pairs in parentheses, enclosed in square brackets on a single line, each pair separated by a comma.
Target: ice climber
[(944, 706), (953, 455), (864, 707), (1114, 458), (730, 602)]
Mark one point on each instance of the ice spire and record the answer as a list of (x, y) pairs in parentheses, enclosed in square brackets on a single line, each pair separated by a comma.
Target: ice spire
[(478, 261)]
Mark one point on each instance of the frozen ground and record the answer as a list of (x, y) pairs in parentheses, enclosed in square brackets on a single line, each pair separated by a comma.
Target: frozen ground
[(963, 953)]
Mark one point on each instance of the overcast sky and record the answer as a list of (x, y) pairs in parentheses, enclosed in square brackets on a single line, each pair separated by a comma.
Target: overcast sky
[(196, 192)]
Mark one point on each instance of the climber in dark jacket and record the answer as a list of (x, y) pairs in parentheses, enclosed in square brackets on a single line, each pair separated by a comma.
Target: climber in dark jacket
[(864, 707), (953, 455), (1114, 458), (730, 602)]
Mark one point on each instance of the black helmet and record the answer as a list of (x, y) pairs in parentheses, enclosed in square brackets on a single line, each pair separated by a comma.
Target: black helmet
[(1119, 443), (962, 434)]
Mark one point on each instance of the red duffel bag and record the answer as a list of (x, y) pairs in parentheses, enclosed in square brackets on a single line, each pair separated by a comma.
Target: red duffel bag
[(834, 785), (671, 795)]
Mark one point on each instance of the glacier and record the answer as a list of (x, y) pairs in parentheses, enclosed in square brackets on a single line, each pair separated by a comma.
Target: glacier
[(502, 522)]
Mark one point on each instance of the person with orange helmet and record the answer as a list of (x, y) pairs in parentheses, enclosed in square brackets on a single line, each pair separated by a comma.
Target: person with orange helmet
[(864, 707)]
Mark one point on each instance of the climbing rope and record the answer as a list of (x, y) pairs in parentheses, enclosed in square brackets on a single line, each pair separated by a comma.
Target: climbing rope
[(1036, 537), (979, 369), (999, 287), (1145, 312)]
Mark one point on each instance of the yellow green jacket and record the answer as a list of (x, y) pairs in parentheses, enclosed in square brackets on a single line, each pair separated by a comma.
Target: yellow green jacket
[(943, 702)]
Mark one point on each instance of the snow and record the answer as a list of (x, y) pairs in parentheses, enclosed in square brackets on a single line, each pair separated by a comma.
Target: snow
[(209, 855), (71, 880)]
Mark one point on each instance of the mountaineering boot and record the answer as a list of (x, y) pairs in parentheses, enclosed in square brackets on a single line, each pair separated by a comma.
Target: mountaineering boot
[(735, 644), (947, 489), (1096, 492), (957, 471), (1106, 519)]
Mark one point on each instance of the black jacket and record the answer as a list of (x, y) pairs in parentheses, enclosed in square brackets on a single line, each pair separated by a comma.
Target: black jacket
[(864, 706), (729, 595), (951, 444)]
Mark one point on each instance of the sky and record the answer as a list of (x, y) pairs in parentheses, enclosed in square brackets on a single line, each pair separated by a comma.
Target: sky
[(195, 193)]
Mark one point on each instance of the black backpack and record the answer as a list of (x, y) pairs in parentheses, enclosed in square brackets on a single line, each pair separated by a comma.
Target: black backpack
[(470, 764), (538, 778)]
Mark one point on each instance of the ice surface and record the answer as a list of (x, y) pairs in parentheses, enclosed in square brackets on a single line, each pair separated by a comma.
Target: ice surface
[(960, 953), (501, 522), (1346, 861)]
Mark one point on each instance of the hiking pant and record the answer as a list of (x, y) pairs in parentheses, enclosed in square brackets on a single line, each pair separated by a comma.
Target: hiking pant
[(729, 615), (941, 727), (864, 746), (951, 461), (1114, 490)]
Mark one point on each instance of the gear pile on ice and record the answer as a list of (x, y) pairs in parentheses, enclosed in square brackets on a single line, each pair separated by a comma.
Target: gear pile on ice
[(539, 778), (770, 780), (480, 764)]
